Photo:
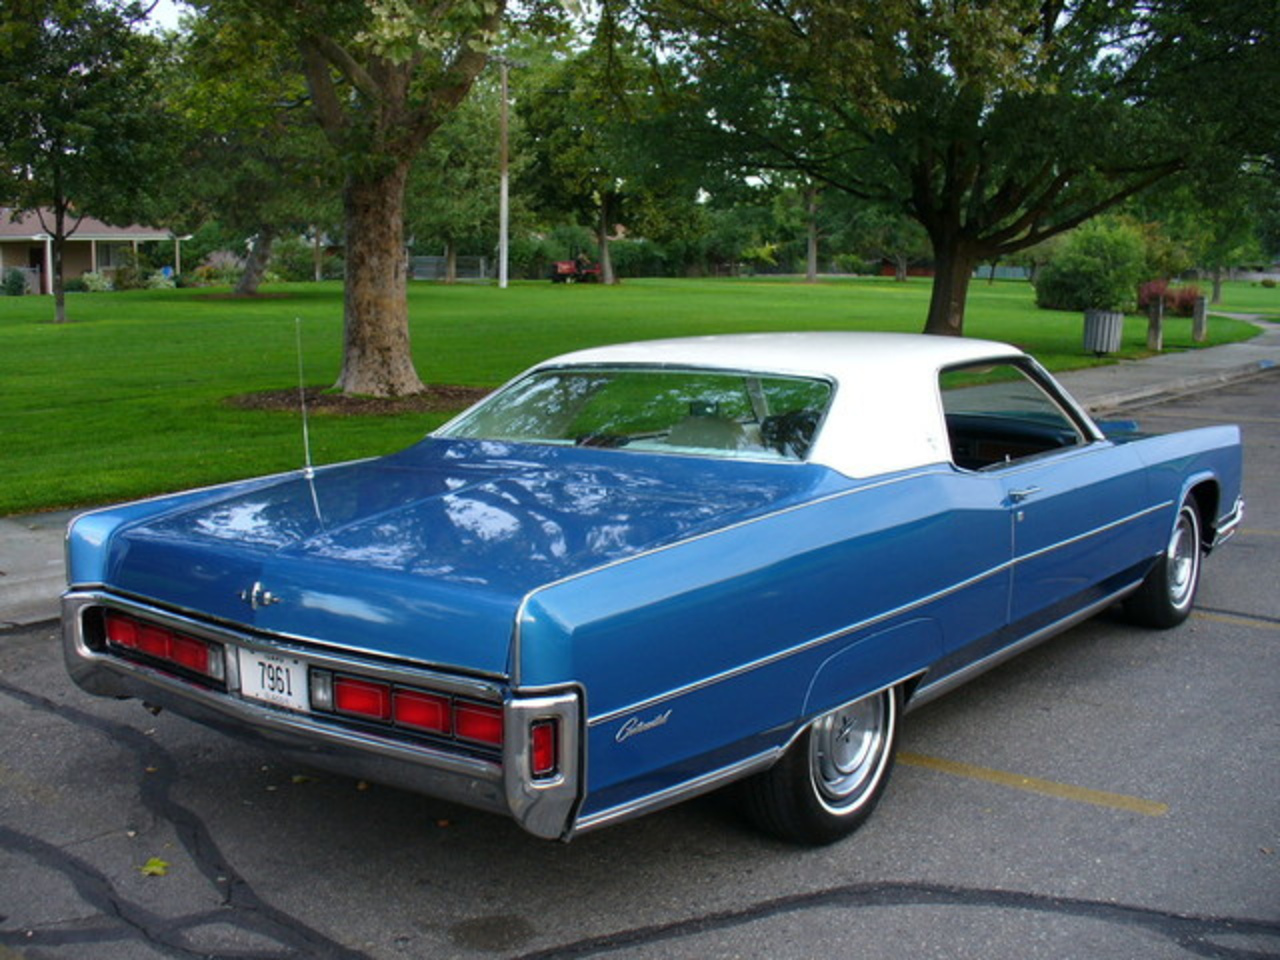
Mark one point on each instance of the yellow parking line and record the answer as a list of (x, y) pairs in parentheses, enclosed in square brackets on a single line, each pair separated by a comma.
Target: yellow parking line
[(1049, 788), (1236, 621), (1255, 532)]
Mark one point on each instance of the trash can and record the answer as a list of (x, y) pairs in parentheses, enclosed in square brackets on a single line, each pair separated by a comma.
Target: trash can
[(1103, 331)]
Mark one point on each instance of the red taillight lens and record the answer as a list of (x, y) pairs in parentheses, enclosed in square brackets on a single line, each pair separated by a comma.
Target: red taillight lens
[(189, 652), (362, 698), (478, 722), (544, 754), (122, 631), (154, 640), (422, 711), (161, 643)]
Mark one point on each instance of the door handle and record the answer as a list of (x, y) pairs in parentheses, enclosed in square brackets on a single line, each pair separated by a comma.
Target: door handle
[(1017, 496)]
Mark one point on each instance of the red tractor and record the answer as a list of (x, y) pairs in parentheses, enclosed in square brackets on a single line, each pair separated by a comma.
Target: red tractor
[(580, 270)]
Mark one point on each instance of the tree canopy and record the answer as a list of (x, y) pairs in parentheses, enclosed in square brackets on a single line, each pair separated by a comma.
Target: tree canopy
[(994, 125), (79, 105)]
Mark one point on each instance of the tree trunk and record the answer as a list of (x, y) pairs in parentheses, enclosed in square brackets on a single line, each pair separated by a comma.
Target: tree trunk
[(450, 262), (256, 265), (57, 243), (900, 268), (1217, 286), (606, 261), (55, 280), (953, 269), (811, 216), (317, 255), (376, 357)]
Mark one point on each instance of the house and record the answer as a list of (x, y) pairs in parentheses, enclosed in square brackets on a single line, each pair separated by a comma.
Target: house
[(94, 247)]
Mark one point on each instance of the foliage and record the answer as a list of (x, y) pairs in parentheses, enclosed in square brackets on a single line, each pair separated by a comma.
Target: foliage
[(1179, 301), (96, 282), (79, 126), (994, 125), (1098, 267), (255, 159), (293, 259), (15, 282)]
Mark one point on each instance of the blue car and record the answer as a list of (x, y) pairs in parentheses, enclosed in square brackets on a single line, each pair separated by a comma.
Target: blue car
[(642, 572)]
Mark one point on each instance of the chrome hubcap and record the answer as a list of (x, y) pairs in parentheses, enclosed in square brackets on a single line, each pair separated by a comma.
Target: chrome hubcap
[(848, 751), (1183, 560)]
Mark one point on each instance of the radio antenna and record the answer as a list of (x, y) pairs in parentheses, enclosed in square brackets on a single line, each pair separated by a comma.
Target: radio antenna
[(308, 470)]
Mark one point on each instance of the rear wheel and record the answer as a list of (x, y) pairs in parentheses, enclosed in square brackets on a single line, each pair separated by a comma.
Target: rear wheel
[(832, 776), (1169, 590)]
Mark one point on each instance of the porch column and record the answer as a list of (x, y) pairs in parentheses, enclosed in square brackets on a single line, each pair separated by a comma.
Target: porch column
[(46, 279), (93, 256)]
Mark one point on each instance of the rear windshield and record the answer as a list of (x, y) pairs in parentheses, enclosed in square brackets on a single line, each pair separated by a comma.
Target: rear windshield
[(706, 413)]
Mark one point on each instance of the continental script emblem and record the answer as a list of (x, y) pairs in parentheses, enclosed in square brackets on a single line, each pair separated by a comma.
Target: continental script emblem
[(634, 726)]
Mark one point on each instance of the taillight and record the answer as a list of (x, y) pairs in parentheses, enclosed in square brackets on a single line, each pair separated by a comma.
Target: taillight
[(544, 752), (479, 722), (411, 709), (422, 711), (362, 698), (169, 647)]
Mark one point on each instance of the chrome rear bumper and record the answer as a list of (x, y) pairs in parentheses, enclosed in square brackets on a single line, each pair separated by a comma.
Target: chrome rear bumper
[(545, 807)]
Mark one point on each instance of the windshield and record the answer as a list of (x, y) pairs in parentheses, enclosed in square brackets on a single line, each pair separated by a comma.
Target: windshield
[(707, 413)]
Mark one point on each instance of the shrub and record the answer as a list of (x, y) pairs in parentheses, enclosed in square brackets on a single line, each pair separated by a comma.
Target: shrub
[(1151, 291), (221, 266), (96, 282), (1182, 301), (158, 281), (1098, 267), (1268, 283), (293, 259), (74, 285), (15, 282)]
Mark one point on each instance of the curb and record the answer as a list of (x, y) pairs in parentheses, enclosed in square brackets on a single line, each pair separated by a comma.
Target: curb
[(1184, 386)]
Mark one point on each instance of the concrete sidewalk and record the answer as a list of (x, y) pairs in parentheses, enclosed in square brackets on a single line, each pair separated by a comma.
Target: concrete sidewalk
[(31, 573)]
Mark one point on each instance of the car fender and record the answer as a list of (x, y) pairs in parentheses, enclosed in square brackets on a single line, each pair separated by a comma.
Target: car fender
[(874, 662)]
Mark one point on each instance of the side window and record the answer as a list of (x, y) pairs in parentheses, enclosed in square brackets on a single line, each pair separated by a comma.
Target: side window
[(997, 414)]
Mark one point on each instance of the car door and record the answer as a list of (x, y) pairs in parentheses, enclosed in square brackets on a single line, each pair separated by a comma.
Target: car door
[(1074, 500)]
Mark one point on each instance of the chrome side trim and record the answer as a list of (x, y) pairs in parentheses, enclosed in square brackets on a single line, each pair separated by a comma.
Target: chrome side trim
[(1035, 554), (904, 609), (678, 793), (792, 651), (932, 690), (521, 610)]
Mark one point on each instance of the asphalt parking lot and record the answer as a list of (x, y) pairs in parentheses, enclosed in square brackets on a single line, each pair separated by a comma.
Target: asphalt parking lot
[(1114, 792)]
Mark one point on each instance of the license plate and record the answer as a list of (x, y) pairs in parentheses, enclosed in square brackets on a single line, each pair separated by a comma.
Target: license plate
[(274, 679)]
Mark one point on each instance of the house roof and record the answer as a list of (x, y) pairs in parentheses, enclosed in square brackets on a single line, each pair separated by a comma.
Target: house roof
[(27, 226)]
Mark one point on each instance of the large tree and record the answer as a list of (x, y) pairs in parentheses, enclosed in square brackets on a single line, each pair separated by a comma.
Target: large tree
[(382, 76), (81, 128), (994, 124)]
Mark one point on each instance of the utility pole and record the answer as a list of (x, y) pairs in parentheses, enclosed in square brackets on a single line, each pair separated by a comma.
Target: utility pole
[(504, 198)]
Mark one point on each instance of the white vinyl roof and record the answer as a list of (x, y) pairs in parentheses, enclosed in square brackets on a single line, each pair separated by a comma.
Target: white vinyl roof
[(885, 415)]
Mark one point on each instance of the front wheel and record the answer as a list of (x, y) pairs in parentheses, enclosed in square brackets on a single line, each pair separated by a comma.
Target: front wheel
[(1165, 597), (832, 776)]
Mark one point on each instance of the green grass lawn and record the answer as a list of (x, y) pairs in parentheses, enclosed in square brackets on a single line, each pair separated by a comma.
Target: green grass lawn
[(130, 398)]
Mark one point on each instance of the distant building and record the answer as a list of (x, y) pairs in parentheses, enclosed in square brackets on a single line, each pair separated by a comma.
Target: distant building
[(95, 247)]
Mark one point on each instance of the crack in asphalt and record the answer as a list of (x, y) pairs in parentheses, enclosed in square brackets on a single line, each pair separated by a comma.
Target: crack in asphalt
[(245, 910), (1191, 933), (1259, 617)]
